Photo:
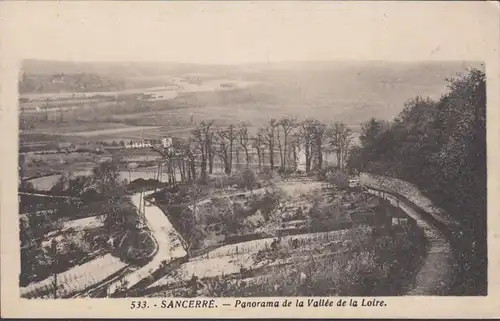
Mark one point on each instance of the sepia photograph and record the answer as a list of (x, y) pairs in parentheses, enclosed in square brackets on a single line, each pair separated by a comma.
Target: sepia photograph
[(252, 180), (230, 163)]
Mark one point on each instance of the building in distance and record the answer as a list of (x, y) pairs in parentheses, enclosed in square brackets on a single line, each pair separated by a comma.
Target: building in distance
[(166, 142)]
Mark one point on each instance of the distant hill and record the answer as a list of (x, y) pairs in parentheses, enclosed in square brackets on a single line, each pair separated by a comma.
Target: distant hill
[(41, 76), (113, 69)]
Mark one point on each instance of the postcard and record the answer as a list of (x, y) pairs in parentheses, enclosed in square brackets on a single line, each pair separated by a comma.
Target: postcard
[(236, 159)]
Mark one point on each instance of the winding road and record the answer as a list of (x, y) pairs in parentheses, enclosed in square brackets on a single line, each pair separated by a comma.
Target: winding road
[(169, 244)]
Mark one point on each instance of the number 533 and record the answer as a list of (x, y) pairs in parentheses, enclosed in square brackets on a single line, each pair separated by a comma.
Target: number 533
[(138, 305)]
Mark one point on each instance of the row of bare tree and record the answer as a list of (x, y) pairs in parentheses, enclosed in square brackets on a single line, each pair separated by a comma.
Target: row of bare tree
[(286, 138)]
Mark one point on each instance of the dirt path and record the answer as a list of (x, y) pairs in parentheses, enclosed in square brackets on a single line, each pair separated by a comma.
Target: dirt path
[(437, 273)]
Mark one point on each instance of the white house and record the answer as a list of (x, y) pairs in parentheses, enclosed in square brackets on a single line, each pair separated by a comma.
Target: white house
[(166, 142)]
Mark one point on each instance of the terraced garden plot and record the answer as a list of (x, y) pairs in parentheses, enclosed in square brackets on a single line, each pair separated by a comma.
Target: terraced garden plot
[(229, 259), (82, 224), (76, 279)]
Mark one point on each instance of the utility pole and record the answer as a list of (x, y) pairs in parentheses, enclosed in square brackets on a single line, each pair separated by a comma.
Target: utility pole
[(54, 265), (143, 208), (140, 203)]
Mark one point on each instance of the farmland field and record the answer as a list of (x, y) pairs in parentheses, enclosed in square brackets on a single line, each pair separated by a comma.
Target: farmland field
[(105, 132)]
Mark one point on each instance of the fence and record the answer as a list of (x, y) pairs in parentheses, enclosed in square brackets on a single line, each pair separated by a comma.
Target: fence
[(305, 241)]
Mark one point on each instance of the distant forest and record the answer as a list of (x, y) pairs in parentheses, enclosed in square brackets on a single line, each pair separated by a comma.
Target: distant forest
[(80, 82), (439, 145)]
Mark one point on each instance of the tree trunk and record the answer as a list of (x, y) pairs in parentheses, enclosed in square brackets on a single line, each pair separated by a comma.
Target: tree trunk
[(284, 154), (307, 151), (230, 158), (271, 155), (237, 158), (225, 161), (183, 170), (280, 148), (295, 158), (320, 155), (193, 169), (210, 160), (247, 156), (259, 159)]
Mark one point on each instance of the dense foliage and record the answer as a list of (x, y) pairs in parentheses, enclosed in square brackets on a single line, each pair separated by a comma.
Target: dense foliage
[(441, 147)]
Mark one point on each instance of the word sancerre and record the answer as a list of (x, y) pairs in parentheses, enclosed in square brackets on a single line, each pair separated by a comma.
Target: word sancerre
[(188, 304)]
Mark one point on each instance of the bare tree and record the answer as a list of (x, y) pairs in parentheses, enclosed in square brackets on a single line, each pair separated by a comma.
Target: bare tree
[(225, 141), (106, 176), (237, 154), (340, 139), (202, 136), (179, 149), (189, 148), (295, 148), (257, 143), (288, 125), (319, 130), (307, 134), (211, 152), (270, 139), (280, 146), (231, 135), (244, 140), (222, 149)]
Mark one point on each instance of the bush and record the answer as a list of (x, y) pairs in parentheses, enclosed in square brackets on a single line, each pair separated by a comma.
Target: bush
[(266, 172), (247, 179), (226, 181), (338, 179), (285, 171)]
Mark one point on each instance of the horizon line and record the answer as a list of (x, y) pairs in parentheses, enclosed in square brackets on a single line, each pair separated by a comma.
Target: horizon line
[(256, 62)]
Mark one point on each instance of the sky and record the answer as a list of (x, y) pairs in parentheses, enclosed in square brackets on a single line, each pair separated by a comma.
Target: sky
[(231, 33)]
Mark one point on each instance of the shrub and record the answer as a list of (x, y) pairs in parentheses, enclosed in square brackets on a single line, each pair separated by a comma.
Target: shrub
[(266, 173), (285, 171), (247, 179), (338, 179)]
